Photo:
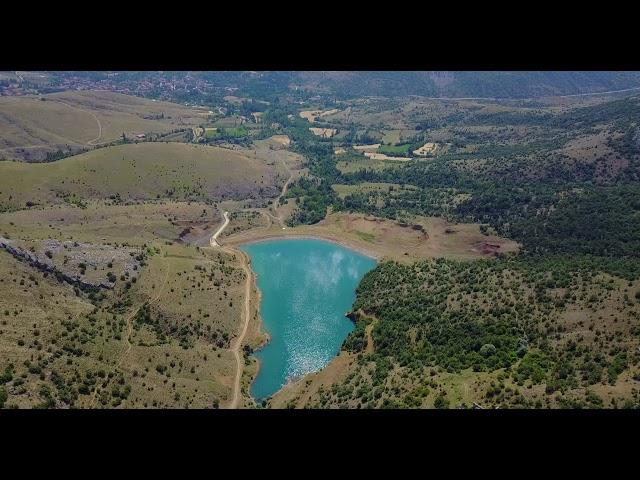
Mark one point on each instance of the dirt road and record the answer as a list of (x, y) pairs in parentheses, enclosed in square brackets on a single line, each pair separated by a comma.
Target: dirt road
[(90, 142), (276, 202), (237, 344), (214, 238)]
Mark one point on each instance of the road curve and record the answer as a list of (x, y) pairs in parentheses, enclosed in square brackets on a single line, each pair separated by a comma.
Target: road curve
[(95, 117), (213, 241), (237, 343), (276, 202)]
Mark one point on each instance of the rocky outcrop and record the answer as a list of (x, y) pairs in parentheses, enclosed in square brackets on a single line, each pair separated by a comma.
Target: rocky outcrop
[(33, 260)]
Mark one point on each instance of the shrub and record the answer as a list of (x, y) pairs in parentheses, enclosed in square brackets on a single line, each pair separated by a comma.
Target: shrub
[(487, 349), (441, 401)]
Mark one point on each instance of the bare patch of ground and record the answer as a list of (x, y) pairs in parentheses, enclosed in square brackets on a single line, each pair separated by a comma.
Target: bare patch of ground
[(282, 139), (312, 115), (425, 237), (86, 263), (366, 148), (428, 148), (382, 156), (323, 132)]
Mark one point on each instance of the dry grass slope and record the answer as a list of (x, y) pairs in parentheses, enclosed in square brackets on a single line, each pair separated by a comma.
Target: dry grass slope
[(31, 127), (138, 171)]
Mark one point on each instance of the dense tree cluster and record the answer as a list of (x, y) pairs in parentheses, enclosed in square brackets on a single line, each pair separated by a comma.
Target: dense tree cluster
[(488, 316)]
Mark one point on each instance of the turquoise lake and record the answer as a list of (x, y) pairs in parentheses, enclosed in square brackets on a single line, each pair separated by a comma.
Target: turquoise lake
[(307, 286)]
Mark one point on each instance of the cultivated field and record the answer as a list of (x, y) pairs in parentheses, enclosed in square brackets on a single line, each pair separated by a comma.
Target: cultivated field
[(344, 190), (323, 132), (363, 163), (428, 148), (313, 115), (383, 156)]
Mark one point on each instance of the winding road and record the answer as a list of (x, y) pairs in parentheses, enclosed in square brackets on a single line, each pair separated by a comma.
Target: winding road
[(276, 202), (214, 238), (93, 141), (237, 343)]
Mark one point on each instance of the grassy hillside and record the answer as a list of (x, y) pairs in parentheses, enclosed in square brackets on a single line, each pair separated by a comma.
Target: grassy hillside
[(160, 338), (137, 171), (32, 127)]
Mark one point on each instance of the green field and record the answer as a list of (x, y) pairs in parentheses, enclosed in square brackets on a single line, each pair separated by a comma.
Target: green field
[(385, 188), (395, 149), (226, 132), (355, 164)]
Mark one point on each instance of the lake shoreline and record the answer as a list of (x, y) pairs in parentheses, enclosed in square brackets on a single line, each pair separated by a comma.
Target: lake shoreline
[(267, 358), (306, 236)]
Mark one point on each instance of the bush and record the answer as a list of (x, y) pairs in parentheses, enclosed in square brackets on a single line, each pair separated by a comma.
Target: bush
[(7, 376), (441, 401), (487, 349)]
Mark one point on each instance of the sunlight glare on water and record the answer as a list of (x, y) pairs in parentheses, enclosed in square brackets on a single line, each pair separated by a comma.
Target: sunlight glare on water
[(307, 287)]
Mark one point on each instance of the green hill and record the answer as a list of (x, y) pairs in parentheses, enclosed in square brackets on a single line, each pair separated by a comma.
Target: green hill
[(137, 171)]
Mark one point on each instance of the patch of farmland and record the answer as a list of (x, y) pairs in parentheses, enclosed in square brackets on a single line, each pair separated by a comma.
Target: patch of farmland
[(323, 132), (366, 148), (428, 148), (395, 149), (382, 156), (356, 164), (312, 115), (344, 190)]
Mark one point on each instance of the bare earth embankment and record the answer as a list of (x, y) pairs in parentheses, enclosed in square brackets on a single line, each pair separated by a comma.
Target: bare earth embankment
[(384, 239)]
